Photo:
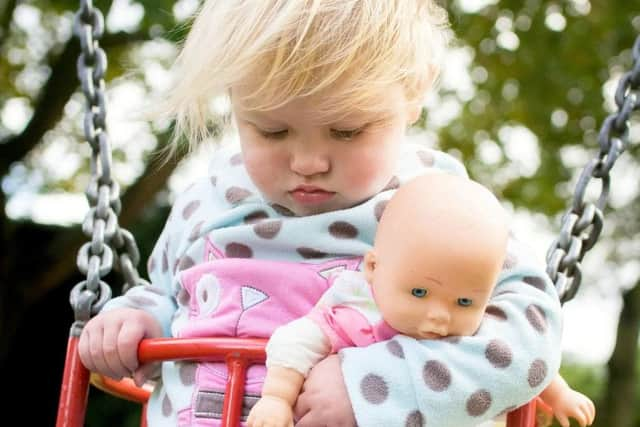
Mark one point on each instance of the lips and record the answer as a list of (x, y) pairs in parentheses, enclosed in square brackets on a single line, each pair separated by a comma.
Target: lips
[(310, 194)]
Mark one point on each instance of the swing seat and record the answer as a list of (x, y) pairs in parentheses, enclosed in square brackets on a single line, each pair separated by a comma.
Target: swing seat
[(238, 353)]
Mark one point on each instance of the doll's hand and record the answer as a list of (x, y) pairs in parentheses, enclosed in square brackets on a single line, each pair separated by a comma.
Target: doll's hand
[(109, 343), (270, 411), (324, 400), (573, 404)]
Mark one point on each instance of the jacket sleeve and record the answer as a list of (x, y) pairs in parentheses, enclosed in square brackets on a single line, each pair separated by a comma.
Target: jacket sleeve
[(166, 259), (463, 381)]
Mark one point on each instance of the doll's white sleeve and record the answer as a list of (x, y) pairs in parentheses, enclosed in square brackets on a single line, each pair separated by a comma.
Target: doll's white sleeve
[(298, 345)]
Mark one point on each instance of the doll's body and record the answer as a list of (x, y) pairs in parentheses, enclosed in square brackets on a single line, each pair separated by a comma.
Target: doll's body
[(438, 252)]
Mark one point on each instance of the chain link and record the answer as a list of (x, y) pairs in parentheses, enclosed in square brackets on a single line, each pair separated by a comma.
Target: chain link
[(582, 223), (109, 241)]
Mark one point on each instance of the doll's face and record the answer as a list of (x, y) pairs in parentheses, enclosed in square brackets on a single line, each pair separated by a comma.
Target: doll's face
[(429, 299), (439, 248)]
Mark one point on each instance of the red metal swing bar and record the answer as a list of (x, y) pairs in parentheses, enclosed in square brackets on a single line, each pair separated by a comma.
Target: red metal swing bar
[(238, 353)]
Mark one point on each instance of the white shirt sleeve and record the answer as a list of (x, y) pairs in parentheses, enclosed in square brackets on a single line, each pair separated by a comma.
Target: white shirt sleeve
[(298, 345)]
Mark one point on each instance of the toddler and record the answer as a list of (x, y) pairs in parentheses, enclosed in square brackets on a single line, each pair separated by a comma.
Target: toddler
[(321, 92), (437, 256)]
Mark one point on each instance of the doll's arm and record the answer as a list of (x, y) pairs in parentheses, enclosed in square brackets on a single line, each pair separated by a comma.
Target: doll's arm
[(292, 351), (568, 403), (464, 381)]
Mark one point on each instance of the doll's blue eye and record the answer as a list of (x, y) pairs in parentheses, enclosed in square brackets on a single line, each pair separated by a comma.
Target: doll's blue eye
[(465, 302), (419, 292)]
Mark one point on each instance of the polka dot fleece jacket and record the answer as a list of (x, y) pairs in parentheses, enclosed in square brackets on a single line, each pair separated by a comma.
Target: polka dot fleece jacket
[(229, 263)]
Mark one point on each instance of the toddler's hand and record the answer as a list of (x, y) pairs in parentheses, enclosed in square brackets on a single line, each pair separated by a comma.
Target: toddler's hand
[(573, 404), (270, 411), (109, 343), (324, 400)]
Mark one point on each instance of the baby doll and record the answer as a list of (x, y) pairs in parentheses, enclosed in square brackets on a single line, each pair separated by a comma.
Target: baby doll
[(412, 283)]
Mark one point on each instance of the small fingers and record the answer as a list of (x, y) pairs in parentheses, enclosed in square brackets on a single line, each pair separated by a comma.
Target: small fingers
[(84, 350), (302, 407), (128, 339), (563, 420)]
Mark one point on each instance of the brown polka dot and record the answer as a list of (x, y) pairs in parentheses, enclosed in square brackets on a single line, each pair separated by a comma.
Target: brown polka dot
[(236, 159), (426, 157), (374, 389), (282, 210), (167, 407), (175, 265), (535, 281), (436, 375), (255, 217), (379, 209), (309, 253), (195, 232), (183, 297), (214, 180), (238, 250), (415, 419), (498, 353), (452, 339), (165, 262), (187, 372), (235, 195), (185, 262), (267, 229), (510, 261), (537, 373), (141, 301), (343, 230), (495, 312), (535, 316), (478, 403), (151, 265), (393, 184), (190, 209), (395, 348)]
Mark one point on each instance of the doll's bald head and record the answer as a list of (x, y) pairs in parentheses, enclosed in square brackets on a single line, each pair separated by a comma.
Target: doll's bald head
[(444, 235)]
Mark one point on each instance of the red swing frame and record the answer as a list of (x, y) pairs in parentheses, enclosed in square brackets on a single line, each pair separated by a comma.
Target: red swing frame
[(238, 353)]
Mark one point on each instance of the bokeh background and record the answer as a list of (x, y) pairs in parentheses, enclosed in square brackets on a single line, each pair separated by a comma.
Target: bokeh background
[(524, 91)]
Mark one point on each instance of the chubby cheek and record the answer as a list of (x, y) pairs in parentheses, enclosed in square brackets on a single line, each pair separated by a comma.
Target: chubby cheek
[(369, 171), (469, 324), (261, 167)]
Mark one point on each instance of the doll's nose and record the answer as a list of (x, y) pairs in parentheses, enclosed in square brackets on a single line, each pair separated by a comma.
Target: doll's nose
[(437, 321)]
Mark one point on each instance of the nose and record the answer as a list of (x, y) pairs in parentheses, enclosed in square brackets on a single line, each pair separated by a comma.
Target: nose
[(309, 158), (436, 320)]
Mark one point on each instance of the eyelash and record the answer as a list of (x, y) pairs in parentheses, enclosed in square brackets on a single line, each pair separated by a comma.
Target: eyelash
[(345, 135), (279, 134)]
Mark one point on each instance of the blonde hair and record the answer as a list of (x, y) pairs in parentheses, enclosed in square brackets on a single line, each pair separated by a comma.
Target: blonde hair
[(346, 51)]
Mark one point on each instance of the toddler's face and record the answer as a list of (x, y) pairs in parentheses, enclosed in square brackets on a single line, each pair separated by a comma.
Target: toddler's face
[(311, 167)]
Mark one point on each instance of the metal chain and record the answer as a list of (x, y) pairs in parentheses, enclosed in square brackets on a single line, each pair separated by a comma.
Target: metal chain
[(582, 222), (108, 240)]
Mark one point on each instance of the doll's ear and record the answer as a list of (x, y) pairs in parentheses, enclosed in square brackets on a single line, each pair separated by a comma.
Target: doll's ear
[(369, 265)]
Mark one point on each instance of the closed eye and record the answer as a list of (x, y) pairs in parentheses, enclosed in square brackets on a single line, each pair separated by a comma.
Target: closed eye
[(346, 134), (276, 134)]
